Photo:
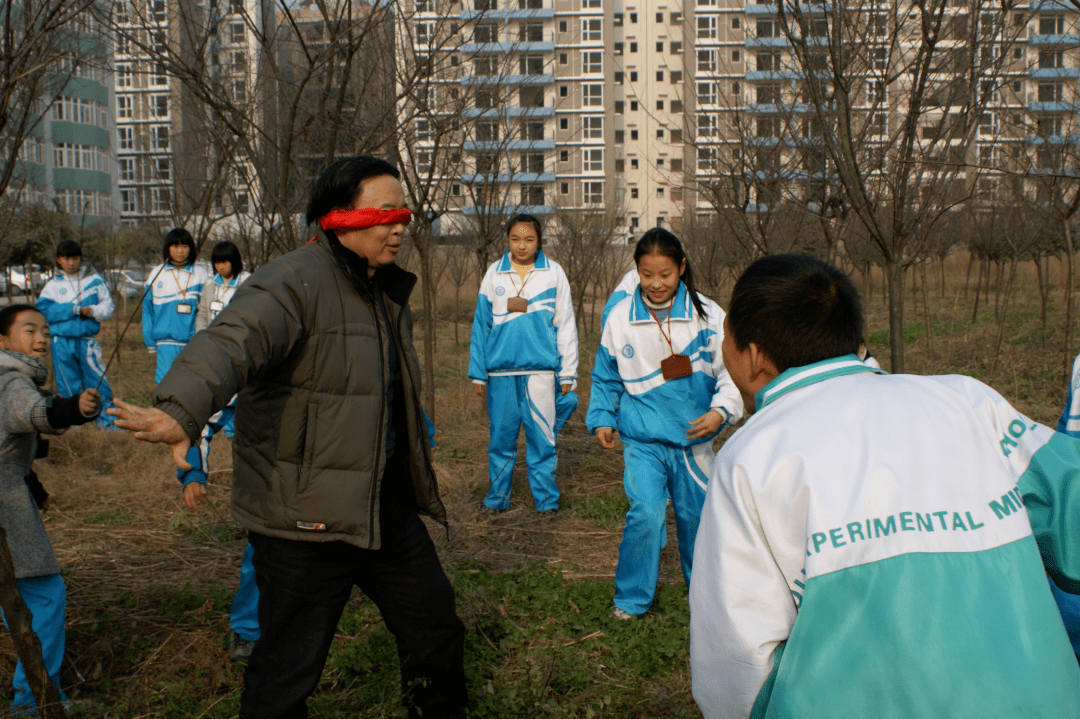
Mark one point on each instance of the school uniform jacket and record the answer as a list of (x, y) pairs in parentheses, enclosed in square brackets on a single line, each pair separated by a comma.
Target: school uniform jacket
[(216, 290), (864, 551), (631, 349), (543, 339), (172, 286), (64, 295), (1070, 419)]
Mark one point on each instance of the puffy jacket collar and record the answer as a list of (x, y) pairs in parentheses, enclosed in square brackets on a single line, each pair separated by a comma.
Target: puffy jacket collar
[(19, 362), (395, 282)]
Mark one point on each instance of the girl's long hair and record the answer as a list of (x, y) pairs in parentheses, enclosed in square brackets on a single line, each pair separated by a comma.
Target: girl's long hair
[(662, 242)]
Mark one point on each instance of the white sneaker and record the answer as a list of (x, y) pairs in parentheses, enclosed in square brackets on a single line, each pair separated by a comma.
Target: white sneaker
[(620, 614)]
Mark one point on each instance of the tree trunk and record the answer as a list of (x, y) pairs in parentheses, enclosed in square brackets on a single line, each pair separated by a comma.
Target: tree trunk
[(895, 276), (428, 298), (942, 276), (967, 280), (926, 310), (26, 642), (1044, 291), (1069, 261), (1001, 318), (978, 293)]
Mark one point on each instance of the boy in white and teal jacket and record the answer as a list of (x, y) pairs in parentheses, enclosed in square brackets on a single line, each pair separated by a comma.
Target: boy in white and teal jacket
[(865, 550)]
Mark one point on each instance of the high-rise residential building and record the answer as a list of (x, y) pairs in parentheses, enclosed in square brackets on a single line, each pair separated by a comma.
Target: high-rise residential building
[(67, 162)]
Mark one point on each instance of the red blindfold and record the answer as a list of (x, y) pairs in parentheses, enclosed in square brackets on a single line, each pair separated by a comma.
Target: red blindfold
[(363, 218)]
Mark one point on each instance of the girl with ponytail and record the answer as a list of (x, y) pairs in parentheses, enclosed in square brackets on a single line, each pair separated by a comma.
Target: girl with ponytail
[(659, 378)]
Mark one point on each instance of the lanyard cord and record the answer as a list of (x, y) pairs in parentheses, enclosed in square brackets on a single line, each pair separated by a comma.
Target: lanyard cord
[(522, 288), (666, 337), (183, 291)]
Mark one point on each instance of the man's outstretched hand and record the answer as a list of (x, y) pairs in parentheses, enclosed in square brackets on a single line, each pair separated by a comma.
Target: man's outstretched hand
[(153, 425)]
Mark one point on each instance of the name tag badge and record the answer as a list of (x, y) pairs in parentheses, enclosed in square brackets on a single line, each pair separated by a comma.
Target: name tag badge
[(675, 366), (183, 309), (216, 306), (517, 304)]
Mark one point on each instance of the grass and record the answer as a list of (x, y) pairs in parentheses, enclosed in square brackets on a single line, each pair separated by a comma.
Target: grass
[(149, 582)]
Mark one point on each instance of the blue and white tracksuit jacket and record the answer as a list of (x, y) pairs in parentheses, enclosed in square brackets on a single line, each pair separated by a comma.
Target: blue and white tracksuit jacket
[(244, 613), (165, 329), (1069, 424), (864, 551), (523, 357), (77, 358), (627, 286), (652, 415)]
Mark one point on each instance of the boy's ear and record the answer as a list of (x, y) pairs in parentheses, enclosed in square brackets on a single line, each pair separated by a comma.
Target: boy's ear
[(762, 369)]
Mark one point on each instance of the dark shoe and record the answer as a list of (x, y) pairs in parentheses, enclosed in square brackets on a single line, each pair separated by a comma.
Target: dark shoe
[(549, 512), (492, 511), (240, 649)]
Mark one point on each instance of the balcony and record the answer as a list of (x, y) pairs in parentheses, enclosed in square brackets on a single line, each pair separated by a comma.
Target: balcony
[(544, 13), (1045, 73), (472, 145), (507, 210), (764, 75), (542, 79), (1060, 40), (754, 41), (509, 112), (504, 177), (507, 47), (1058, 106)]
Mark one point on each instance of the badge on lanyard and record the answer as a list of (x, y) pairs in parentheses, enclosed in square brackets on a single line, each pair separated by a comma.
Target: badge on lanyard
[(183, 309), (676, 365), (517, 304), (217, 306)]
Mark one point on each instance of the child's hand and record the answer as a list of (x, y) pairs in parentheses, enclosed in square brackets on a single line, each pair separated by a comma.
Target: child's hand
[(89, 402), (705, 425), (605, 438), (566, 389), (86, 311), (480, 389), (194, 495)]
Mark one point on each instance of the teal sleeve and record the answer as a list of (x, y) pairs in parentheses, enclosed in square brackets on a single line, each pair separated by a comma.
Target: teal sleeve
[(482, 320), (148, 317), (607, 387), (1051, 491)]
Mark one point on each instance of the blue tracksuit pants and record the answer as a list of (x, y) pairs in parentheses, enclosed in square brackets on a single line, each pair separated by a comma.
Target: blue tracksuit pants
[(78, 365), (244, 614), (166, 355), (46, 597), (513, 401), (654, 473)]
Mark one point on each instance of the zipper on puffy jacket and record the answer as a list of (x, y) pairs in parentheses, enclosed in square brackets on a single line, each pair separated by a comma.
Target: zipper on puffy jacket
[(381, 439)]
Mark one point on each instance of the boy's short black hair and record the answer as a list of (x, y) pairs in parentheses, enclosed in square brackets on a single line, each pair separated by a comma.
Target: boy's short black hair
[(10, 313), (797, 309), (179, 236), (68, 248), (226, 251), (338, 185)]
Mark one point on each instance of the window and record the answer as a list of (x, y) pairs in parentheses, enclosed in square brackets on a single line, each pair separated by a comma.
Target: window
[(487, 130), (531, 65), (592, 159), (120, 12), (633, 47), (531, 97), (617, 19), (676, 166), (123, 44), (159, 105), (1018, 87), (127, 200), (532, 195), (676, 18), (239, 93), (736, 56), (532, 131), (123, 75), (633, 222), (988, 157), (620, 166), (596, 4), (455, 190), (766, 28), (592, 193), (592, 63), (162, 168), (633, 134), (160, 46), (633, 164), (1018, 53), (879, 58), (768, 126), (532, 162), (562, 26), (875, 92), (659, 17), (564, 90), (529, 4), (633, 193), (1049, 125), (619, 77), (425, 33), (660, 46), (706, 159), (423, 130), (564, 156), (676, 48), (564, 188), (1050, 59), (592, 94), (127, 169), (736, 22), (659, 75), (659, 104), (633, 17), (620, 105), (485, 65), (592, 127), (706, 27), (530, 32), (768, 93), (125, 137), (160, 199), (591, 29), (768, 61), (659, 133), (620, 137), (159, 10), (633, 106), (676, 107), (123, 106), (618, 48), (159, 137), (1050, 91), (159, 77), (1052, 25), (706, 93), (736, 93), (236, 32), (706, 60), (879, 124), (563, 58), (676, 137), (676, 194), (485, 32), (564, 123), (633, 76)]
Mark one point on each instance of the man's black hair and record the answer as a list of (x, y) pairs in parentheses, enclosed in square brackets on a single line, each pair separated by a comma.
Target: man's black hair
[(226, 251), (179, 236), (8, 315), (68, 248), (339, 185), (529, 220), (660, 241), (797, 309)]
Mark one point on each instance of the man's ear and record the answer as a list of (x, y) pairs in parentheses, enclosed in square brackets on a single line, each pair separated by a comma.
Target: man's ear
[(762, 369)]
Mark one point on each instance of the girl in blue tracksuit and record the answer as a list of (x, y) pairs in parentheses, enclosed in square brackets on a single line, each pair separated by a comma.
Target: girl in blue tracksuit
[(75, 302), (172, 298), (659, 378), (244, 618), (524, 345)]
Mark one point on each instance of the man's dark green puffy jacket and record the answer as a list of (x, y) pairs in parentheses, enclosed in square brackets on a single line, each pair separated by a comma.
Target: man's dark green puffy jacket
[(306, 347)]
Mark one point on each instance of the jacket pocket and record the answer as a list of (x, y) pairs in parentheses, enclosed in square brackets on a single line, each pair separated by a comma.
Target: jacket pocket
[(308, 444)]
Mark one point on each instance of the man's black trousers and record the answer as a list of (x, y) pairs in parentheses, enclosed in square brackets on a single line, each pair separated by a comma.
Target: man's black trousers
[(303, 589)]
